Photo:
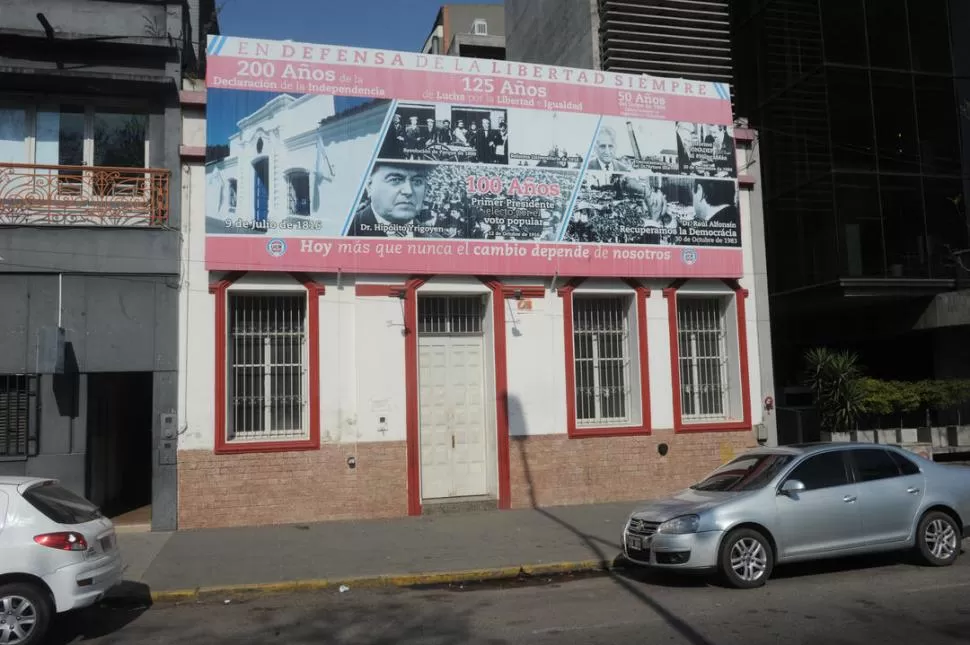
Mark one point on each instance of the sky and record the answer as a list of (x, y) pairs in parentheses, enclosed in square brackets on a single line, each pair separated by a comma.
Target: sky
[(381, 24)]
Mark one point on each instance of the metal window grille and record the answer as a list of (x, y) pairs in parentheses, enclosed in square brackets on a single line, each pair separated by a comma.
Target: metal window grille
[(450, 315), (18, 396), (480, 27), (601, 358), (703, 358), (267, 366)]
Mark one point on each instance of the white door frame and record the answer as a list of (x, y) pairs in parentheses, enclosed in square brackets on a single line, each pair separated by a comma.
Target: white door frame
[(467, 287)]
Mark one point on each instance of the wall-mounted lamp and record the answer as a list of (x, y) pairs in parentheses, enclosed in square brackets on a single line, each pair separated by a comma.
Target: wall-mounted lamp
[(351, 462), (663, 449), (518, 294)]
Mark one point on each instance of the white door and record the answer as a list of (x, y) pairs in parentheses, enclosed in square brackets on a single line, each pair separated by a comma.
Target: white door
[(451, 361)]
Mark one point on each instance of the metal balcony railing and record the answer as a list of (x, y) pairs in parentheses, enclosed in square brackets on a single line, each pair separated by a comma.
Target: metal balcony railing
[(32, 194)]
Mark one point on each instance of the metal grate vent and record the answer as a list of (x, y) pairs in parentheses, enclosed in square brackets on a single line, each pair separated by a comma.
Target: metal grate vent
[(450, 315), (17, 401)]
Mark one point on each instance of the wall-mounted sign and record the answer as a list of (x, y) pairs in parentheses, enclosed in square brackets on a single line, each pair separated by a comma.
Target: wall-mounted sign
[(326, 158)]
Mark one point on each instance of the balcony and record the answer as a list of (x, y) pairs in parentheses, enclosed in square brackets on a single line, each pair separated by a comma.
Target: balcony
[(37, 195)]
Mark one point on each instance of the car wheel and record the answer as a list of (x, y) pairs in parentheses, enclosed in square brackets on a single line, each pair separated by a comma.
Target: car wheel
[(745, 559), (25, 614), (938, 539)]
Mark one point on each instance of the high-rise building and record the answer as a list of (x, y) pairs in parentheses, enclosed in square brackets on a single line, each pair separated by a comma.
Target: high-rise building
[(468, 30), (673, 38), (861, 106)]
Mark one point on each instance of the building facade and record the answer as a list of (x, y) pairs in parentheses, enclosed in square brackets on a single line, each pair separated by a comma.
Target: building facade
[(682, 39), (332, 389), (689, 39), (468, 30), (90, 123), (861, 107)]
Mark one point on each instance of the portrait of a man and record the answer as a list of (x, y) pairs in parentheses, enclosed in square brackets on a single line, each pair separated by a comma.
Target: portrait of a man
[(395, 198)]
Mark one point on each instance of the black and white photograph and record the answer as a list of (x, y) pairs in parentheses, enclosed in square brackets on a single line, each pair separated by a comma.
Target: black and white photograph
[(705, 150), (441, 132), (550, 139), (624, 145), (649, 208), (456, 201)]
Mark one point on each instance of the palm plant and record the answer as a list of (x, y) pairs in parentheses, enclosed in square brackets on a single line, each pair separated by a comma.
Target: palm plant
[(835, 379)]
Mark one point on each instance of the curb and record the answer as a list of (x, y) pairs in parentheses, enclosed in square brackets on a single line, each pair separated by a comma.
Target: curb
[(386, 581)]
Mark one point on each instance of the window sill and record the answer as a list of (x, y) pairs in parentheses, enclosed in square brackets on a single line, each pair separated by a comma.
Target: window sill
[(237, 447), (716, 426), (586, 432)]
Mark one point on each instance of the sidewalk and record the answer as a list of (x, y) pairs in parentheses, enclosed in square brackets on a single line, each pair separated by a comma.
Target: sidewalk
[(570, 537)]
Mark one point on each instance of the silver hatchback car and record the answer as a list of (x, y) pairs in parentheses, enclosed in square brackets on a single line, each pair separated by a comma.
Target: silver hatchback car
[(804, 502)]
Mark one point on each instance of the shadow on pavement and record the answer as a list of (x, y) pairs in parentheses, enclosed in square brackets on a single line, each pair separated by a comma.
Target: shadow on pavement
[(372, 619), (126, 603), (624, 580)]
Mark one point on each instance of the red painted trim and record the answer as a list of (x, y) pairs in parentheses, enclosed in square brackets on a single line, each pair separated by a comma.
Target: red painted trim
[(569, 287), (747, 181), (744, 134), (196, 153), (412, 392), (509, 292), (222, 445), (572, 430), (499, 293), (378, 290), (741, 295), (191, 98)]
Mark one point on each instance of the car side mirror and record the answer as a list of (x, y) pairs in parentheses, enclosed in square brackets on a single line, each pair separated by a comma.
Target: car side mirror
[(792, 486)]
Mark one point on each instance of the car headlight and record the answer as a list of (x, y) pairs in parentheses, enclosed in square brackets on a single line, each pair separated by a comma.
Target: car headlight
[(680, 525)]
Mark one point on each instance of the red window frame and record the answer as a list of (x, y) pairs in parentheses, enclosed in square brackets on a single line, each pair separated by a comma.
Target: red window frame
[(641, 293), (222, 443), (740, 295)]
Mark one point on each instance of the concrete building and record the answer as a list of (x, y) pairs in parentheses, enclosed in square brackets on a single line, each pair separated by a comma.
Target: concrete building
[(685, 39), (469, 30), (398, 392), (681, 39), (90, 123), (866, 179)]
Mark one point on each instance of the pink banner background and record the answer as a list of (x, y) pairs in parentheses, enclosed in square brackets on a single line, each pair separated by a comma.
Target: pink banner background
[(468, 89), (390, 255)]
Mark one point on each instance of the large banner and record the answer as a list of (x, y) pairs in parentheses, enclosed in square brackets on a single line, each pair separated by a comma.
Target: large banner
[(327, 158)]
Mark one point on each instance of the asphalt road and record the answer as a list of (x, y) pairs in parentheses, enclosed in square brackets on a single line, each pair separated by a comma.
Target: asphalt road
[(876, 600)]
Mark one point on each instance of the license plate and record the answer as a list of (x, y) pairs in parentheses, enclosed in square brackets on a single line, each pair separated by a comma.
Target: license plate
[(107, 543)]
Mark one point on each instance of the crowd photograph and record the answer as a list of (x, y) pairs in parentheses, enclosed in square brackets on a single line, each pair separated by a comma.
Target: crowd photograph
[(649, 208), (436, 132)]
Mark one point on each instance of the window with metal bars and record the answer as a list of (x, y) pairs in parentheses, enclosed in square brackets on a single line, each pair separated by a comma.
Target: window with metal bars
[(704, 384), (18, 394), (601, 359), (450, 315), (267, 356)]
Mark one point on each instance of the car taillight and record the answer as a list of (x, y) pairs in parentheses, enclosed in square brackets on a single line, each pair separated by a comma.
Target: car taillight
[(62, 541)]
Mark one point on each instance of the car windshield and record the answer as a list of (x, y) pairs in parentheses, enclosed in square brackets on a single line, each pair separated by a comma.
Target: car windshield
[(61, 505), (746, 473)]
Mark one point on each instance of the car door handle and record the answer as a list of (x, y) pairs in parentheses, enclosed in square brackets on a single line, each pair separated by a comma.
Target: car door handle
[(912, 490), (848, 499)]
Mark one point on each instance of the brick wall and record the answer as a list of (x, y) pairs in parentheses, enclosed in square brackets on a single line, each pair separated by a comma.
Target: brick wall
[(292, 487), (554, 470)]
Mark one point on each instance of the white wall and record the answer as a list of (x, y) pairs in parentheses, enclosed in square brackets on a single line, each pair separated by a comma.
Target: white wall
[(362, 361), (362, 344)]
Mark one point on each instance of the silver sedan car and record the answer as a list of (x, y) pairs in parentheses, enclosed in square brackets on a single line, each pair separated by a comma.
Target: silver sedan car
[(804, 502)]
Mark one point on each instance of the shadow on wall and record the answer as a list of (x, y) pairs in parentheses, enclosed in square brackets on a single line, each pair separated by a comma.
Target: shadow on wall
[(67, 385), (624, 580)]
